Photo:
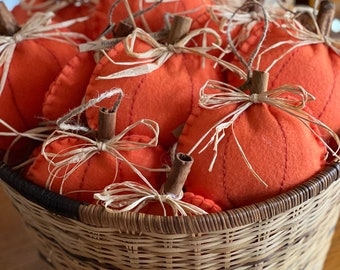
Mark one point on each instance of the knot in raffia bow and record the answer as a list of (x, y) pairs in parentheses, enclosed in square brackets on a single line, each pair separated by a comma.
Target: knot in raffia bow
[(38, 26), (159, 53), (131, 196), (291, 99)]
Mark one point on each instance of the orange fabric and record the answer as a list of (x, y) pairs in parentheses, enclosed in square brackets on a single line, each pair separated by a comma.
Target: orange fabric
[(98, 172), (29, 77), (69, 12), (166, 95), (68, 89), (315, 67), (280, 148)]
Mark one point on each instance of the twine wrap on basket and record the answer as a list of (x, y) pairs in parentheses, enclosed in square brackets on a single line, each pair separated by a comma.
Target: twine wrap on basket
[(290, 231)]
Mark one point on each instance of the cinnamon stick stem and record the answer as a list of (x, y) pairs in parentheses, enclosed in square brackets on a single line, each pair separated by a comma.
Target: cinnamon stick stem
[(259, 82), (107, 121), (325, 17), (179, 28), (178, 174)]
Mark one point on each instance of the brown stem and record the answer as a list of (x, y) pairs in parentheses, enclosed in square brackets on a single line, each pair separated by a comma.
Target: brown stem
[(325, 17), (179, 28), (178, 175), (8, 24), (259, 82), (107, 121)]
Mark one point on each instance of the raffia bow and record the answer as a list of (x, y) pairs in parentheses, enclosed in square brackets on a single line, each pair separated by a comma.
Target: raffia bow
[(292, 103), (131, 196), (154, 58), (38, 26)]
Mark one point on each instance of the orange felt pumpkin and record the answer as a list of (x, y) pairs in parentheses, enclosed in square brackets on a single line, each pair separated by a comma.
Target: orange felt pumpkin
[(68, 89), (26, 76), (64, 10), (314, 66), (78, 166), (169, 201), (278, 148), (165, 94), (97, 172)]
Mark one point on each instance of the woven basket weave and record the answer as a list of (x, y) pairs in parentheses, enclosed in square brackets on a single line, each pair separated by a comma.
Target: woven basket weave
[(290, 231)]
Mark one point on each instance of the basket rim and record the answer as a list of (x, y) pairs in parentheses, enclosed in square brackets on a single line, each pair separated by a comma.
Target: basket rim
[(98, 216)]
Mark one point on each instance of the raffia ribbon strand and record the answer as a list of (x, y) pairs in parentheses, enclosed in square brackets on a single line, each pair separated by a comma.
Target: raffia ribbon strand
[(293, 104)]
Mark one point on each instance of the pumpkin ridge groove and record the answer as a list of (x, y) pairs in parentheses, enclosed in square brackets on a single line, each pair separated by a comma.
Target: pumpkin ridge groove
[(22, 117), (50, 53), (133, 101), (82, 181), (329, 98), (285, 147)]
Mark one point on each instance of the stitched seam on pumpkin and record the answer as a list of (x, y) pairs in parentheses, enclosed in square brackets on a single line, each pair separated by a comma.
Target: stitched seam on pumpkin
[(283, 66), (330, 94), (224, 167), (191, 82), (133, 101), (16, 105), (51, 53), (82, 181), (286, 150)]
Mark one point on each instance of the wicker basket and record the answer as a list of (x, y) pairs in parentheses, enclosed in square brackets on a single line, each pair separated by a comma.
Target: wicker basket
[(291, 231)]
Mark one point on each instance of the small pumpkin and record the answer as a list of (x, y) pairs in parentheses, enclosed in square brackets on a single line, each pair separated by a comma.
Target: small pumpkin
[(166, 94), (170, 200), (78, 166), (247, 142)]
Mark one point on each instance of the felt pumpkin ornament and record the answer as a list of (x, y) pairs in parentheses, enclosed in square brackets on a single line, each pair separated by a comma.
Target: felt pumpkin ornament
[(63, 9), (170, 200), (68, 89), (25, 77), (299, 55), (166, 87), (249, 147), (77, 166)]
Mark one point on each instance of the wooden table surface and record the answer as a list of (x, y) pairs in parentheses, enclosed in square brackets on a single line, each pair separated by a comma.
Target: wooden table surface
[(17, 251)]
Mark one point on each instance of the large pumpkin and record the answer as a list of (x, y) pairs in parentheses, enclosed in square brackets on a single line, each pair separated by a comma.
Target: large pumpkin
[(281, 150), (166, 95)]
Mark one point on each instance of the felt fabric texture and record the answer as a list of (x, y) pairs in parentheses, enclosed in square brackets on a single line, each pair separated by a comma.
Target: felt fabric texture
[(314, 67), (69, 12), (68, 89), (165, 95), (99, 171), (282, 151), (154, 17), (30, 75)]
